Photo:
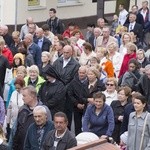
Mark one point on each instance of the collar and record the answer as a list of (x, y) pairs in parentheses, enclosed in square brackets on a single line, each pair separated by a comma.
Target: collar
[(92, 84), (59, 137), (143, 115), (133, 23), (41, 39), (67, 60)]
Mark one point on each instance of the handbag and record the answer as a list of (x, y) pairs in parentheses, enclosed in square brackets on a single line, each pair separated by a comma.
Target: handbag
[(141, 143)]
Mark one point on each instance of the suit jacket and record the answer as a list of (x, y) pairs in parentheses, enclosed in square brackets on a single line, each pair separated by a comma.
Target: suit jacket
[(46, 44), (67, 73), (35, 50), (92, 40), (138, 30), (99, 41), (139, 19)]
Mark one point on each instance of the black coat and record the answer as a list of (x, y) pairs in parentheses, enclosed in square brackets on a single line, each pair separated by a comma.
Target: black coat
[(78, 92), (138, 30), (144, 63), (99, 86), (56, 26), (68, 72), (91, 41), (118, 110), (53, 96)]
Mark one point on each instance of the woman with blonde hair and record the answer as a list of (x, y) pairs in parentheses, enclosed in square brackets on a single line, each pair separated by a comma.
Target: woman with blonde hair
[(126, 38), (105, 63), (115, 57), (16, 41), (131, 53)]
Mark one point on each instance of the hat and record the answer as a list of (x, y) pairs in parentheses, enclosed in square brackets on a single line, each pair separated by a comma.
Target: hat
[(51, 71), (124, 137), (21, 56)]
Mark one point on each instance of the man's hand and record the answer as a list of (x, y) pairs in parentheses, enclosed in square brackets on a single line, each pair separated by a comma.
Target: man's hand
[(80, 106)]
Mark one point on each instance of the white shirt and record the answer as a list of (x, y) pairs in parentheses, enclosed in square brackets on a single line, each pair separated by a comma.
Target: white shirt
[(110, 97), (65, 62), (122, 16), (144, 13)]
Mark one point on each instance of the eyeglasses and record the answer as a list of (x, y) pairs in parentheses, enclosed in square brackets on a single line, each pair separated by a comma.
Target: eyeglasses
[(110, 84)]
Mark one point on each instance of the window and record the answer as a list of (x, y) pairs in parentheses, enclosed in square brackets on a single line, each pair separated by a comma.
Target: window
[(68, 1), (33, 2), (94, 1), (36, 4)]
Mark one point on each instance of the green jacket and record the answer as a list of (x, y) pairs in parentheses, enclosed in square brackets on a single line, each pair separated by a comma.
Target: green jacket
[(39, 83)]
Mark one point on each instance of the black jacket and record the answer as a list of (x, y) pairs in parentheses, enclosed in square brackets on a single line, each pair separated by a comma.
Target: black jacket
[(24, 120), (118, 110), (53, 96), (99, 86), (138, 30), (78, 92), (144, 63), (31, 141), (143, 87), (66, 142), (68, 72), (56, 26)]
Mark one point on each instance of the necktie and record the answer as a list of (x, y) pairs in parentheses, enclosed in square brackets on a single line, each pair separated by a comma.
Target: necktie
[(131, 27)]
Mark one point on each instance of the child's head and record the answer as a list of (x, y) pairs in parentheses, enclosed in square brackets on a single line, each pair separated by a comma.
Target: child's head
[(123, 138), (115, 17)]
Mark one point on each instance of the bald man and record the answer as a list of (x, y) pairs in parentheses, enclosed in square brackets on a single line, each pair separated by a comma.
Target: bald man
[(67, 67), (78, 94), (42, 41), (33, 48)]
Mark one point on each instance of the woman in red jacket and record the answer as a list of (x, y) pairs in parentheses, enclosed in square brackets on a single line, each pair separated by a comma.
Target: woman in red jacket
[(131, 53)]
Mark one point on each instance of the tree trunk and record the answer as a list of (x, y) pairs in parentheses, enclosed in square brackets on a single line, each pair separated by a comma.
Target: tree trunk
[(100, 8)]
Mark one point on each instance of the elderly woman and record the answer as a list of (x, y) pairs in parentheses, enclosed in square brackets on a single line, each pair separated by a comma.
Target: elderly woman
[(99, 118), (45, 62), (16, 41), (110, 92), (139, 126), (118, 107), (131, 53), (34, 78), (115, 57)]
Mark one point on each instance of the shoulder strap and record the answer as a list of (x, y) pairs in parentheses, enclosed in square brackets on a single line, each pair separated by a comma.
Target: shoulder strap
[(144, 126)]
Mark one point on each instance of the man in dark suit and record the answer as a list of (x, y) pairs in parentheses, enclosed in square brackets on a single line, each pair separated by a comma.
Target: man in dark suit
[(42, 41), (67, 67), (134, 27), (139, 17), (93, 37)]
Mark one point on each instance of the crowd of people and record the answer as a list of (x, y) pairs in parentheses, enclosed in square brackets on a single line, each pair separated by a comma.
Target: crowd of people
[(99, 82)]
